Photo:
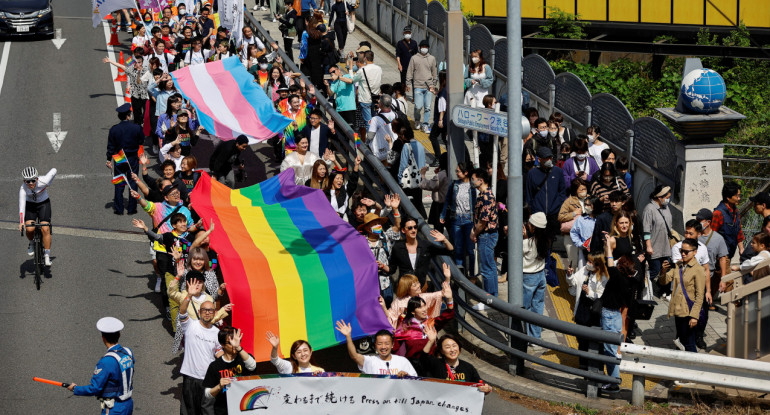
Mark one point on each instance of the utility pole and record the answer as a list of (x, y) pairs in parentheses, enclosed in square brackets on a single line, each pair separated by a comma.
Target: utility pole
[(453, 39), (515, 182)]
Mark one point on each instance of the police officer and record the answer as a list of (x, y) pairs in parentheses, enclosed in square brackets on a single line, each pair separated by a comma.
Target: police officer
[(112, 382), (128, 137)]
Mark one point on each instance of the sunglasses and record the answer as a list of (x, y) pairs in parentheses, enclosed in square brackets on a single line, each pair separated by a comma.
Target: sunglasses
[(686, 251), (410, 228), (30, 181)]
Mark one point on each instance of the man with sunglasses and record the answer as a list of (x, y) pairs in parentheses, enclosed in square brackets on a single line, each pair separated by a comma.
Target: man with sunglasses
[(34, 203), (688, 294)]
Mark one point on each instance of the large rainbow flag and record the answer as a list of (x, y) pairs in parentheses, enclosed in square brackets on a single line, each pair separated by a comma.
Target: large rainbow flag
[(291, 265)]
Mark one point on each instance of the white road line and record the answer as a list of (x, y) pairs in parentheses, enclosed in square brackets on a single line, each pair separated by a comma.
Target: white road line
[(4, 63), (119, 98), (84, 233)]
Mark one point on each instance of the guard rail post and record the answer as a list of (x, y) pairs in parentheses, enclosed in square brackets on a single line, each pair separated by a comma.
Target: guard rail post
[(588, 115), (637, 391), (551, 98)]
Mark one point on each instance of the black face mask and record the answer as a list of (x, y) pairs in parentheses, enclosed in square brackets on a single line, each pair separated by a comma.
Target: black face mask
[(529, 164)]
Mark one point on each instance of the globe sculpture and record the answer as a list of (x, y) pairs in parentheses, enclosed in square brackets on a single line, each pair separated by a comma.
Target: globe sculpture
[(703, 91)]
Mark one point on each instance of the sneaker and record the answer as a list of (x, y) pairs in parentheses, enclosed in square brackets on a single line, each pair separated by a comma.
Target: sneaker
[(31, 248), (263, 8), (666, 297), (255, 8), (479, 307), (701, 343), (427, 129), (275, 20), (47, 260), (610, 388), (678, 344), (157, 285)]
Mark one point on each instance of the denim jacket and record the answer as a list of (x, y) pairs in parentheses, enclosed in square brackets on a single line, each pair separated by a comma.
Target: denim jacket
[(448, 213)]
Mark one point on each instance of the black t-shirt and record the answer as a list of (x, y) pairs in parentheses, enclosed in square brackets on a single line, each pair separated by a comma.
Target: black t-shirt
[(437, 368), (617, 291), (219, 369), (169, 240)]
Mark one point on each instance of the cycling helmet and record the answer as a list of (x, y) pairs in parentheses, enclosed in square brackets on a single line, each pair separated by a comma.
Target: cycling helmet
[(29, 173)]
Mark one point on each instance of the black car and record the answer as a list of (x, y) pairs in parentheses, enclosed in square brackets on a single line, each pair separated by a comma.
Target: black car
[(26, 17)]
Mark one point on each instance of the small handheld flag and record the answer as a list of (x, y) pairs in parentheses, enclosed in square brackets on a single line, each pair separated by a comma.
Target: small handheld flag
[(357, 140), (121, 178), (140, 152), (120, 157)]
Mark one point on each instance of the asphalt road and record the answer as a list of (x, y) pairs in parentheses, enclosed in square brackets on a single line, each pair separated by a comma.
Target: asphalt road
[(100, 266)]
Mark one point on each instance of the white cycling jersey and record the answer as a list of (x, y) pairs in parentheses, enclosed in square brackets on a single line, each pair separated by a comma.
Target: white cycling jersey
[(36, 195)]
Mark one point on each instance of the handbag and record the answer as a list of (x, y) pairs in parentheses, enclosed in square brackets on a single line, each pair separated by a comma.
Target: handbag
[(410, 177), (351, 21), (673, 236), (584, 309)]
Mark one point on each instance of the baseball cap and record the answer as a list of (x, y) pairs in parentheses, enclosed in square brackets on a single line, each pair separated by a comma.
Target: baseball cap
[(544, 152), (761, 198), (704, 214), (363, 49)]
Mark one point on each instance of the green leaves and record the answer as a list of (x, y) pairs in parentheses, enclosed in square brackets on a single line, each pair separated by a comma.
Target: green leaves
[(563, 25)]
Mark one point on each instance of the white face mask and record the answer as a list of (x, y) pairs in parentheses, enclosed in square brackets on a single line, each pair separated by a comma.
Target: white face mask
[(475, 60), (263, 66), (666, 201), (424, 51), (543, 133), (590, 267), (581, 157), (553, 133), (591, 138), (407, 36), (182, 12), (582, 195)]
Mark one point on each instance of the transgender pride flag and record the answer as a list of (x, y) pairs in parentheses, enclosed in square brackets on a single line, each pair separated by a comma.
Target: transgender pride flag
[(228, 101)]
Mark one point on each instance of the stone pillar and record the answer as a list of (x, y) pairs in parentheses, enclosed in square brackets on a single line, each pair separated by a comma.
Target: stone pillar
[(700, 181), (454, 59)]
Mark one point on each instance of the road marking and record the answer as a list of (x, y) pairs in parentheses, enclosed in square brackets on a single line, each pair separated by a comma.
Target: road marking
[(4, 63), (111, 54), (109, 234), (57, 136), (57, 40)]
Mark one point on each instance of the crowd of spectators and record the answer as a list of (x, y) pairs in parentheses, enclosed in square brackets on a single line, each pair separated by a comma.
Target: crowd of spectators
[(576, 191)]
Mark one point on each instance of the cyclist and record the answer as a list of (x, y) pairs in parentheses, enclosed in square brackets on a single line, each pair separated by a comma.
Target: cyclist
[(34, 203)]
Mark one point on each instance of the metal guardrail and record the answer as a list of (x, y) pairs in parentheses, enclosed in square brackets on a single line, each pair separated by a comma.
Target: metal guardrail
[(746, 312), (643, 361), (379, 182)]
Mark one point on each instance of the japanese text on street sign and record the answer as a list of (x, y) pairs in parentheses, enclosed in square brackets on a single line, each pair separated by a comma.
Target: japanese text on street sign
[(479, 119)]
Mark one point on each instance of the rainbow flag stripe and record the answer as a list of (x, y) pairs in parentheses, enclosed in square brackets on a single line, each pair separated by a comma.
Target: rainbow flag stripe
[(120, 157), (292, 266), (119, 179), (357, 140)]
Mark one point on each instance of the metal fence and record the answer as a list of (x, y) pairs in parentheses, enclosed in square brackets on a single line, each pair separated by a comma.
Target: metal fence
[(379, 182)]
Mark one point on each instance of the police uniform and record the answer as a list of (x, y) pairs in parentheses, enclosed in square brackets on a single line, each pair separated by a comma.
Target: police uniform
[(126, 136), (112, 380)]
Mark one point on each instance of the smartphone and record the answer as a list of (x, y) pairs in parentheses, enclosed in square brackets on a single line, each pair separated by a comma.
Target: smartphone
[(328, 77)]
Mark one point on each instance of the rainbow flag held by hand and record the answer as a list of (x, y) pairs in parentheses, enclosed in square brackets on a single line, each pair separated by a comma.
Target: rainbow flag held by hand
[(291, 264), (120, 157), (357, 140), (121, 178)]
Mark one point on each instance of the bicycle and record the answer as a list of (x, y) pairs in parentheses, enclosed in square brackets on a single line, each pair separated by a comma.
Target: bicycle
[(37, 240)]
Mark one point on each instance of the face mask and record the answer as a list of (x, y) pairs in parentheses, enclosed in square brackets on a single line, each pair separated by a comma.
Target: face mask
[(581, 157), (475, 60), (590, 267), (529, 164), (543, 133), (377, 229), (588, 210), (591, 138), (582, 195), (548, 164), (182, 12), (476, 183), (407, 36), (564, 156), (666, 201), (553, 133), (424, 51), (263, 66), (704, 225)]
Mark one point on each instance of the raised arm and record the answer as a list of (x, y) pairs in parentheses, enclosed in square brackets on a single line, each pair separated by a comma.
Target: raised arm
[(345, 329)]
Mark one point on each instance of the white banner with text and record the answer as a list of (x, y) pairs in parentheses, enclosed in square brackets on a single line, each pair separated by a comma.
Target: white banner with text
[(349, 393)]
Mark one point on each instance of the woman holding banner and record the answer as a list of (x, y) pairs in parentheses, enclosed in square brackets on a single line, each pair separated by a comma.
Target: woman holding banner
[(300, 357), (446, 363), (411, 336)]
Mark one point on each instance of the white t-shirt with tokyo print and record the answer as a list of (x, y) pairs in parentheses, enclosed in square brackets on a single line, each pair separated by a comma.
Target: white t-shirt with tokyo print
[(373, 365)]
